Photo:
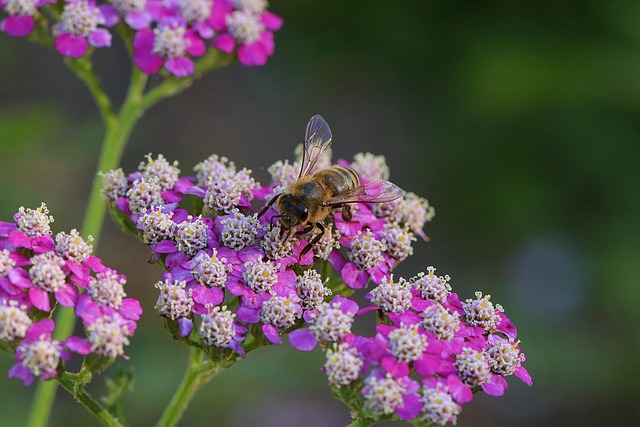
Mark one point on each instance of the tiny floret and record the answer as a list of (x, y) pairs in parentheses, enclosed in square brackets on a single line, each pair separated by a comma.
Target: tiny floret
[(191, 235), (311, 289), (222, 193), (46, 272), (331, 324), (440, 322), (439, 407), (107, 288), (473, 367), (174, 300), (435, 288), (155, 225), (210, 270), (14, 320), (108, 335), (407, 343), (504, 356), (280, 311), (34, 222), (73, 247), (277, 245), (143, 194), (166, 173), (383, 395), (343, 365), (370, 166), (392, 296), (114, 185), (239, 230), (481, 312), (366, 251), (216, 328)]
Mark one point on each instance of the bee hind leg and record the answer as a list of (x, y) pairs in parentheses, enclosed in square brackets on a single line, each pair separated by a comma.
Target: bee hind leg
[(315, 240), (347, 215)]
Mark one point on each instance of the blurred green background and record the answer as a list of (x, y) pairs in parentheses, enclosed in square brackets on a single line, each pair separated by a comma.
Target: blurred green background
[(519, 122)]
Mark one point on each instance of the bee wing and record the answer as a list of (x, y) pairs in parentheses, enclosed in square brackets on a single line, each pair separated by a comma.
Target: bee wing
[(317, 140), (374, 191)]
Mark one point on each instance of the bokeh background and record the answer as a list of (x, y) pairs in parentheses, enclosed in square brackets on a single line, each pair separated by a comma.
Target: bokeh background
[(520, 122)]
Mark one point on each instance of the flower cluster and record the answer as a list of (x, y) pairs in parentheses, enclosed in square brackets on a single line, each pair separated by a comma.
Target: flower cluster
[(235, 278), (429, 355), (167, 33), (38, 271)]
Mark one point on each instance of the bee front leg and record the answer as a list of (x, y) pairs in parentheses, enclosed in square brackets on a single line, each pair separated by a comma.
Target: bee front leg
[(268, 205), (315, 239)]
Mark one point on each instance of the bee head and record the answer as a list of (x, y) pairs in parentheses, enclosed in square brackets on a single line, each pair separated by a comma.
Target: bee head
[(292, 211)]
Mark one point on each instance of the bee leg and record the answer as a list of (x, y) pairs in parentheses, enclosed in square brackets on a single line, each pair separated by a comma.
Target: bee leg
[(306, 230), (268, 205), (347, 215), (271, 221), (315, 239)]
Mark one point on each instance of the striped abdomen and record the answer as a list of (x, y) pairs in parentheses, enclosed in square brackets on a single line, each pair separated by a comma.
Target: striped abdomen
[(337, 179)]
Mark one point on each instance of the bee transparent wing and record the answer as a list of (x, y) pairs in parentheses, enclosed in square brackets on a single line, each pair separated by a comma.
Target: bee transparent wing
[(317, 140), (374, 191)]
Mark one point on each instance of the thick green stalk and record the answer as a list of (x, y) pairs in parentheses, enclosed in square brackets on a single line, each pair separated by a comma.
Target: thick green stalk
[(199, 371), (117, 131)]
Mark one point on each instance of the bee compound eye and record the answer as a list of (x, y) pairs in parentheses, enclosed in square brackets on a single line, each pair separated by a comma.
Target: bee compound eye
[(304, 214)]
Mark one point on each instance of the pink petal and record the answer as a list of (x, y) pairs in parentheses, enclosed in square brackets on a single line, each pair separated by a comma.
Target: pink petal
[(67, 296), (354, 277), (100, 38), (78, 345), (248, 315), (39, 299), (303, 339), (251, 55), (522, 373), (180, 67), (195, 45), (224, 42), (411, 407), (138, 20), (131, 308), (496, 386), (21, 372), (71, 46), (271, 333), (44, 327), (18, 26), (185, 325), (110, 14), (395, 367), (459, 391), (271, 21)]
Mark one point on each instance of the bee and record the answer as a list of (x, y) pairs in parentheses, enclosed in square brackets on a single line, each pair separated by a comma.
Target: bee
[(313, 196)]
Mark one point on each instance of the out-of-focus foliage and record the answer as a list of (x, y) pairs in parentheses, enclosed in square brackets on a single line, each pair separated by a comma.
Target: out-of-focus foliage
[(519, 121)]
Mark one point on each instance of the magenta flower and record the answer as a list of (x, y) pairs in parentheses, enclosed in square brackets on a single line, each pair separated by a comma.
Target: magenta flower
[(167, 45), (138, 14), (78, 28), (20, 21), (38, 355), (249, 26)]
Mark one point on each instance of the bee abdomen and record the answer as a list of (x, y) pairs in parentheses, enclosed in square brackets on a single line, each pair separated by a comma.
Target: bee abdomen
[(338, 179)]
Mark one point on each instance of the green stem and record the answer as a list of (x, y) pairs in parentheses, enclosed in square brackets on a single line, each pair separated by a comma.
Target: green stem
[(199, 372), (105, 417)]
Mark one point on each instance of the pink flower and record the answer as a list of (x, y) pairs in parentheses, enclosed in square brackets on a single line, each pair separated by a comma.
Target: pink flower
[(20, 21), (167, 46), (78, 28)]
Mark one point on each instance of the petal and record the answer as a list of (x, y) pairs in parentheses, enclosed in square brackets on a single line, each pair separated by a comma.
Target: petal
[(271, 333), (522, 373), (67, 296), (251, 55), (21, 372), (185, 325), (395, 367), (459, 391), (303, 339), (496, 386), (180, 67), (131, 308), (36, 330), (100, 38), (224, 42), (411, 407), (138, 20), (248, 315), (195, 45), (18, 26), (354, 277), (39, 299), (111, 15), (71, 46), (271, 21), (78, 345)]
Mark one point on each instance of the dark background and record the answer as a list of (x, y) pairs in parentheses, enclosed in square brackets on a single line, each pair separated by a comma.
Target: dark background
[(519, 122)]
